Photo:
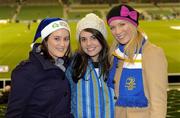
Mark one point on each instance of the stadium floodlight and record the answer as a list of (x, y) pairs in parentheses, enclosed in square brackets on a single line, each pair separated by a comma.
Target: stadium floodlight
[(4, 68)]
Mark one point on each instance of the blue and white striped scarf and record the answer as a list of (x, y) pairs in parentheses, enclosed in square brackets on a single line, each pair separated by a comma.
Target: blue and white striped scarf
[(131, 89), (94, 99)]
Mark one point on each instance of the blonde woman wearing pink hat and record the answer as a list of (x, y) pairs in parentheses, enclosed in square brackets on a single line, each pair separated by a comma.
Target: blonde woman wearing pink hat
[(91, 98), (138, 68)]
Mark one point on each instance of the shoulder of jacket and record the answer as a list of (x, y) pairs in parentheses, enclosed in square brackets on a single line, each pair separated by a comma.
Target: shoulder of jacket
[(152, 48), (25, 65), (153, 53), (76, 57), (20, 69)]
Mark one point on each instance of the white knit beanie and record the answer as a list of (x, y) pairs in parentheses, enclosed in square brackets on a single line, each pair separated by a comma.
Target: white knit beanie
[(91, 20)]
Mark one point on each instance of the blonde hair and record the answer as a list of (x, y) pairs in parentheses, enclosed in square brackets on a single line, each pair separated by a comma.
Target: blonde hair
[(132, 47)]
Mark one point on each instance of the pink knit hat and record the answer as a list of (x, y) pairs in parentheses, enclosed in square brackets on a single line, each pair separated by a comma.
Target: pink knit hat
[(123, 12)]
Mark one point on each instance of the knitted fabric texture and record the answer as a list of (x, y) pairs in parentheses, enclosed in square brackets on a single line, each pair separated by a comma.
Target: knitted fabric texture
[(123, 12), (91, 20)]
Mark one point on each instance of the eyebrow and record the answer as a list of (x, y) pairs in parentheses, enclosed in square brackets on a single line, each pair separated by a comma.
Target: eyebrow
[(59, 36)]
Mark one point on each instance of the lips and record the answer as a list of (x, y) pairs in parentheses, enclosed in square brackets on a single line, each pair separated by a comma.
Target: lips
[(120, 36), (60, 49), (91, 49)]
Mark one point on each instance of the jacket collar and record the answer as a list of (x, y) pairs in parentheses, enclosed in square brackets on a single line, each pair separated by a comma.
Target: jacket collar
[(45, 62), (37, 55)]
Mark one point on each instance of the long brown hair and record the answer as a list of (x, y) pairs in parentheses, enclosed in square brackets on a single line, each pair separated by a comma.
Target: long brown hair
[(80, 62)]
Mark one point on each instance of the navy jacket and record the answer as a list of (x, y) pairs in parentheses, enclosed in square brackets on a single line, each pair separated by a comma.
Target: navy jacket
[(39, 90)]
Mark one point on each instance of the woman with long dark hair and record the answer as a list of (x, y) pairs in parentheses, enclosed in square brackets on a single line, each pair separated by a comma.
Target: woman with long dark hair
[(91, 98)]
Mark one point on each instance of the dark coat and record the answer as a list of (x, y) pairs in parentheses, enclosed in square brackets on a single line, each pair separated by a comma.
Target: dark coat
[(39, 90)]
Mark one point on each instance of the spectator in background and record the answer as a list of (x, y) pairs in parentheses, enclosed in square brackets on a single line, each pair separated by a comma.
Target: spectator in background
[(138, 68), (40, 88), (91, 98), (29, 25), (4, 95)]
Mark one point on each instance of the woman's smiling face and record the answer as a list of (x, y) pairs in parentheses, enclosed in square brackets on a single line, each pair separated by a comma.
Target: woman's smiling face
[(58, 43), (121, 30), (90, 45)]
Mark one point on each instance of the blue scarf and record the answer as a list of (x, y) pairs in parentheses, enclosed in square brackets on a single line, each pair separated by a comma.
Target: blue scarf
[(93, 97), (131, 89)]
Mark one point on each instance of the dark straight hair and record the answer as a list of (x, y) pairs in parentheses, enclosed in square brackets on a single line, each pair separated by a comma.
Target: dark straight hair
[(80, 61)]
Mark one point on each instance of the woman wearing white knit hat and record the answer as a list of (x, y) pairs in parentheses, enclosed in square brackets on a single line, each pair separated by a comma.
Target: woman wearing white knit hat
[(91, 98)]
